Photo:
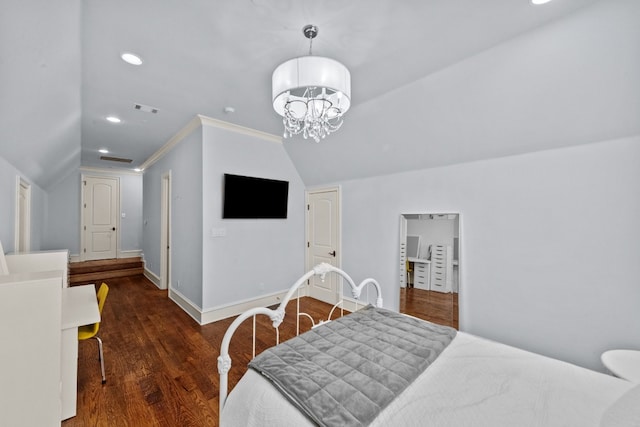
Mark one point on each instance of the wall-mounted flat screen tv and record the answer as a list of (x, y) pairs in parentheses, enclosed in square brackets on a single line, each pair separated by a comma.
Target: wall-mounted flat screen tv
[(247, 197)]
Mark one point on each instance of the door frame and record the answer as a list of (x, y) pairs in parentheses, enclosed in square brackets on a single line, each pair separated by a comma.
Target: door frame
[(26, 215), (460, 241), (83, 238), (307, 249), (165, 231)]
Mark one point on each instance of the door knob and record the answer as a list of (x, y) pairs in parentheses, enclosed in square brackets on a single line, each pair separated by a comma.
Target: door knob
[(333, 254), (114, 229)]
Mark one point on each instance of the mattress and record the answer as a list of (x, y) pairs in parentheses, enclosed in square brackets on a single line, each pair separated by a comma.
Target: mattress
[(474, 382)]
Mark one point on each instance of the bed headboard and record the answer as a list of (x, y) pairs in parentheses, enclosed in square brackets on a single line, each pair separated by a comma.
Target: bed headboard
[(277, 316)]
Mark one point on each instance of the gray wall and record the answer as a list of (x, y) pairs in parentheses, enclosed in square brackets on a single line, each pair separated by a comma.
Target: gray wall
[(41, 80), (184, 162), (257, 256), (63, 228), (131, 205), (573, 81), (8, 182), (549, 244), (63, 219)]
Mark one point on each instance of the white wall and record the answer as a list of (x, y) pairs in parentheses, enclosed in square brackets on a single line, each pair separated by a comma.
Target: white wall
[(549, 244), (257, 256), (432, 232)]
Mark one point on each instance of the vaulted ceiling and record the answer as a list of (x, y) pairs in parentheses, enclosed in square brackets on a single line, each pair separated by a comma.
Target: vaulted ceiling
[(434, 82)]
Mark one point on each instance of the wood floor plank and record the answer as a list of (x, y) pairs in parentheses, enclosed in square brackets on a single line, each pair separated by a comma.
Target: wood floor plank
[(436, 307)]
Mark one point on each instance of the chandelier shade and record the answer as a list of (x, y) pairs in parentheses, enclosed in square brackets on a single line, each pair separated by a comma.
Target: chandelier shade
[(311, 93), (292, 78)]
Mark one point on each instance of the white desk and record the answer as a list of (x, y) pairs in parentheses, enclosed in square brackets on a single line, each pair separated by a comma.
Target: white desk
[(79, 307), (623, 364)]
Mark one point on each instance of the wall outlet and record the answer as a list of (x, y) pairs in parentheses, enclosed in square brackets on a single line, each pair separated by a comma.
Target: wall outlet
[(218, 232)]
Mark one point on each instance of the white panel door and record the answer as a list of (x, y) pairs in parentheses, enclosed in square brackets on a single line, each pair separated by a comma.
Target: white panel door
[(100, 211), (323, 236)]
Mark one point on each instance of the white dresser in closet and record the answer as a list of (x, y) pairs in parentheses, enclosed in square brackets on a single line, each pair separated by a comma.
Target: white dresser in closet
[(421, 274), (441, 268)]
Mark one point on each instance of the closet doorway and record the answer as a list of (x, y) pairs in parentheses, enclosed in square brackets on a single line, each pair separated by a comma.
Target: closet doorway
[(429, 266)]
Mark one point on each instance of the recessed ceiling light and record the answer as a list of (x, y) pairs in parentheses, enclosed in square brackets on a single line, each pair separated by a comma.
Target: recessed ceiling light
[(103, 151), (540, 1), (131, 58), (113, 119)]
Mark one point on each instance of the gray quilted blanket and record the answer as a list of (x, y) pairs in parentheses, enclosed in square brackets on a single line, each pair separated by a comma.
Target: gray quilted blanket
[(343, 373)]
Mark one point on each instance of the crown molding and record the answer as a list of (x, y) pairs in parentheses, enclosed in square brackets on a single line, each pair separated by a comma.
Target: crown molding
[(208, 121), (113, 171), (201, 121), (175, 139)]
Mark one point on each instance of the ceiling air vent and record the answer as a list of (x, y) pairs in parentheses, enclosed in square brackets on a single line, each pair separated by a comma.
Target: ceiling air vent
[(115, 159), (145, 108)]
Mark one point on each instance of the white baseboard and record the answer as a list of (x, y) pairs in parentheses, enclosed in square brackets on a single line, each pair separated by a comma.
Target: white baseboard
[(186, 305), (222, 312), (349, 304), (229, 310), (152, 277), (130, 253), (74, 258)]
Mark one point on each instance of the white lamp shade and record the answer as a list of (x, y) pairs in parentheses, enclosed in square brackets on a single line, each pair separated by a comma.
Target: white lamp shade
[(311, 71)]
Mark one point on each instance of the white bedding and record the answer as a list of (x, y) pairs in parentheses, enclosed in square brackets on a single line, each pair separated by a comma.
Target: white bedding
[(474, 382)]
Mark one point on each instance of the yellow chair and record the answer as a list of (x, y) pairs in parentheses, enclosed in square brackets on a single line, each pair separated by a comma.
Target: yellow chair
[(91, 331), (409, 269)]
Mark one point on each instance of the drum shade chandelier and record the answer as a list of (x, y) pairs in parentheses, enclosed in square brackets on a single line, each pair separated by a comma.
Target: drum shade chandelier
[(311, 93)]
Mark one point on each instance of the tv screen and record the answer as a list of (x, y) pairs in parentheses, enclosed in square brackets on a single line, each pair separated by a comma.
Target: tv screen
[(247, 197)]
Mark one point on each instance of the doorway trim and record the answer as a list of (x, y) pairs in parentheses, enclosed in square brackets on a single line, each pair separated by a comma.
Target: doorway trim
[(165, 231), (23, 216)]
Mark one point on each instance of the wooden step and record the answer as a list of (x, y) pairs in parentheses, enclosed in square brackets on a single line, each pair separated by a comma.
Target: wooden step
[(103, 270), (104, 265)]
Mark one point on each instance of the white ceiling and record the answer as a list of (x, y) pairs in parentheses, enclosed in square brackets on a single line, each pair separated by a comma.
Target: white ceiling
[(62, 73)]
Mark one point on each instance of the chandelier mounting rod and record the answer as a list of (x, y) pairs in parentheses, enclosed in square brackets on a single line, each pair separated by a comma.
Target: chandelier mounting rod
[(310, 32)]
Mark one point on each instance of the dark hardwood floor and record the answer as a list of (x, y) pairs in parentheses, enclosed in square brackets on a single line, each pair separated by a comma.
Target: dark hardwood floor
[(161, 366), (436, 307)]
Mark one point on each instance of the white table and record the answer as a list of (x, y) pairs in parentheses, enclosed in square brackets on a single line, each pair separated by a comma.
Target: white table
[(623, 364), (79, 307)]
